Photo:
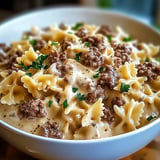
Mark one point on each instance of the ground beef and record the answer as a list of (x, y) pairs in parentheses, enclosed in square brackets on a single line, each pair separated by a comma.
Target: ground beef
[(12, 61), (57, 57), (82, 32), (65, 45), (62, 69), (31, 109), (117, 101), (2, 57), (96, 93), (148, 69), (40, 44), (57, 97), (4, 47), (108, 114), (109, 78), (105, 30), (93, 58), (95, 42), (122, 54), (63, 26), (3, 51), (51, 130)]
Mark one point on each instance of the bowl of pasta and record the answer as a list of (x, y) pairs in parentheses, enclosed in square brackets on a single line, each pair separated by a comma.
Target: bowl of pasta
[(79, 83)]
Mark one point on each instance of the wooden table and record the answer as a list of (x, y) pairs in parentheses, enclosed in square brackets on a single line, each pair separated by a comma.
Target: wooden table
[(150, 152)]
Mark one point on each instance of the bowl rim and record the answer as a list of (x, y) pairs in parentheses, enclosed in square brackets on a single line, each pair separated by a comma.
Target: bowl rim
[(22, 15)]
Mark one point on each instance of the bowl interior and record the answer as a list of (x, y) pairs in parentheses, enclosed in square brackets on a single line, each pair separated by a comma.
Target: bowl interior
[(70, 15)]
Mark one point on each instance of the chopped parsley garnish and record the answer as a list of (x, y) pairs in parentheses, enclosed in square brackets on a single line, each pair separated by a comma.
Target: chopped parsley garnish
[(37, 64), (65, 104), (124, 87), (77, 26), (28, 74), (23, 66), (87, 44), (96, 75), (70, 32), (78, 56), (54, 43), (33, 42), (74, 89), (157, 59), (109, 37), (127, 39), (147, 59), (101, 70), (81, 97), (151, 117), (50, 103)]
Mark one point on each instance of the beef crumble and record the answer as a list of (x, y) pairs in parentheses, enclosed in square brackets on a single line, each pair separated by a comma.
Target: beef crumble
[(117, 101), (82, 32), (65, 45), (109, 78), (95, 94), (122, 54), (32, 109), (95, 42), (148, 69), (9, 58), (108, 114), (63, 26), (4, 47), (39, 44), (105, 30), (51, 130), (57, 57), (62, 69), (93, 58)]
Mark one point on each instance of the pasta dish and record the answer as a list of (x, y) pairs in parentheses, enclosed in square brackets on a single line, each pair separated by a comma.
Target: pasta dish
[(79, 81)]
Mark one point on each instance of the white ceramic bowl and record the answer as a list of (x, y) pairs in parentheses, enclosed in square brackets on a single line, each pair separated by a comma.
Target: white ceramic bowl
[(111, 148)]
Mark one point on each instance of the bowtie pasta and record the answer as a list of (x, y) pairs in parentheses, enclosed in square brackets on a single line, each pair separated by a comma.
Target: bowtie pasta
[(79, 81)]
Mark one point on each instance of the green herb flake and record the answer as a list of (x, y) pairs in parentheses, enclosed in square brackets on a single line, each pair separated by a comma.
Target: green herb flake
[(147, 59), (50, 103), (109, 37), (87, 44), (100, 70), (157, 59), (37, 64), (96, 75), (54, 43), (28, 74), (25, 68), (65, 104), (77, 26), (70, 32), (127, 39), (124, 87), (74, 89), (78, 56), (81, 97), (33, 42), (150, 118)]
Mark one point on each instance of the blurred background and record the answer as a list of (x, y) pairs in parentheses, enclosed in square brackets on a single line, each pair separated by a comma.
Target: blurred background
[(147, 11)]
